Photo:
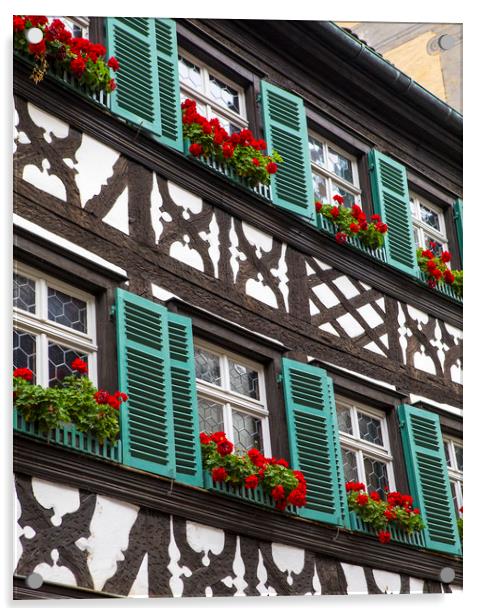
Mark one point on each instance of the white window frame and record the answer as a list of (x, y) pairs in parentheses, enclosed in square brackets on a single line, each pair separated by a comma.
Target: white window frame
[(358, 446), (213, 110), (81, 22), (231, 400), (45, 330), (330, 176), (421, 227), (456, 476)]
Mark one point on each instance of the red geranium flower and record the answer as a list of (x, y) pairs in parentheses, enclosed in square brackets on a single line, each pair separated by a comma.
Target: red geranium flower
[(449, 277), (278, 492), (428, 254), (335, 212), (375, 496), (18, 23), (340, 237), (224, 448), (80, 365), (228, 150), (376, 218), (431, 265), (113, 63), (218, 437), (339, 199), (37, 20), (102, 396), (271, 167), (381, 227), (281, 504), (436, 273), (205, 438), (282, 462), (112, 85), (37, 49), (384, 536), (354, 228), (432, 283), (297, 498), (251, 482), (77, 66), (23, 373), (318, 206), (219, 474), (362, 500), (196, 149), (356, 210), (255, 162)]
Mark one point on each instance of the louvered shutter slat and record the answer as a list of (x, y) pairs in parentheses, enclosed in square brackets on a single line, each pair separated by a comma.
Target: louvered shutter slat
[(286, 132), (428, 477), (313, 439), (136, 98), (459, 224), (391, 200), (184, 401), (143, 358)]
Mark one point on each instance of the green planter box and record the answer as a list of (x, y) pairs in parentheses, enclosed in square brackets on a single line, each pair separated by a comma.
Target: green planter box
[(69, 436), (254, 497), (400, 536)]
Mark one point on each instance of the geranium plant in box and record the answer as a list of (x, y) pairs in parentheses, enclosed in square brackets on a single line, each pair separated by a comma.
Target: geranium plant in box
[(252, 469), (75, 401), (62, 51), (239, 151), (352, 222), (436, 268), (397, 509)]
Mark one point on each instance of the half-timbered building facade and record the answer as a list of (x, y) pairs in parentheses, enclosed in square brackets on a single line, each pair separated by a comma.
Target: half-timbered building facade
[(218, 306)]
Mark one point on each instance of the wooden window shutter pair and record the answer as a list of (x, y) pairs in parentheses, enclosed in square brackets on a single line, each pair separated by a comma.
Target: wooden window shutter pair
[(147, 90), (159, 422)]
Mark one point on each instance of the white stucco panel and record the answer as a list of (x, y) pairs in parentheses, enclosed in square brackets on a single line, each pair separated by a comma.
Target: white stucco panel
[(213, 240), (205, 539), (177, 572), (261, 291), (60, 498), (370, 315), (54, 573), (350, 325), (140, 587), (388, 582), (51, 184), (118, 215), (328, 327), (326, 295), (239, 570), (185, 199), (94, 165), (346, 287), (50, 124), (355, 579), (182, 252), (289, 559), (110, 527)]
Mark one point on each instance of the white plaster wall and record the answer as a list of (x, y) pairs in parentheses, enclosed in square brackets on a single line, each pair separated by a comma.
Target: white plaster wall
[(50, 124), (205, 539), (61, 499), (94, 165), (355, 578), (118, 215), (288, 559), (189, 202), (43, 180)]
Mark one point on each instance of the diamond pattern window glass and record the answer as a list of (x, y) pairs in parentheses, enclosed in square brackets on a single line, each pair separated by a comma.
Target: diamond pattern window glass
[(428, 225), (216, 96), (454, 455), (24, 293), (232, 397), (334, 172), (53, 324), (365, 445)]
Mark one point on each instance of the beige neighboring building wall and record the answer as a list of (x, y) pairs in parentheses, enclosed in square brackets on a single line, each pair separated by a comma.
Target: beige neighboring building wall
[(429, 53)]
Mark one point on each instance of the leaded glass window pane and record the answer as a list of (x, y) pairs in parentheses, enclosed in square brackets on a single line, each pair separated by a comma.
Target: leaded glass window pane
[(67, 310), (370, 429), (429, 241), (60, 359), (190, 74), (316, 153), (320, 188), (347, 196), (376, 475), (210, 416), (429, 217), (447, 453), (344, 418), (349, 465), (459, 457), (24, 293), (243, 380), (340, 165), (24, 350), (247, 431), (208, 366), (223, 95)]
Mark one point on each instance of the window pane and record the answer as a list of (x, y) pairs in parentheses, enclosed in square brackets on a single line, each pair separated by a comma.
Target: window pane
[(223, 95), (201, 107), (453, 489), (24, 350), (370, 429), (447, 453), (319, 188), (344, 418), (247, 431), (413, 208), (349, 465), (207, 366), (416, 237), (349, 197), (459, 457), (190, 74), (225, 123), (340, 165), (243, 380), (430, 217), (376, 475), (24, 293), (437, 249), (60, 359), (210, 416), (67, 310), (316, 152)]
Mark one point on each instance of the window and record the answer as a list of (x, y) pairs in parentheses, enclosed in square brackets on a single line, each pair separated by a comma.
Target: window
[(214, 94), (79, 26), (53, 324), (428, 224), (334, 172), (231, 397), (454, 455), (365, 446)]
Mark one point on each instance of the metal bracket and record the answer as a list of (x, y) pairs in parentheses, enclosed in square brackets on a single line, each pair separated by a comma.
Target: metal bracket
[(279, 378), (112, 312)]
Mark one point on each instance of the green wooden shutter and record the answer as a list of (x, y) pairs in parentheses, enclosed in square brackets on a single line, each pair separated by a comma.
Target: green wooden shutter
[(428, 477), (286, 132), (132, 41), (168, 77), (147, 90), (143, 358), (313, 439), (391, 200), (184, 401), (459, 222)]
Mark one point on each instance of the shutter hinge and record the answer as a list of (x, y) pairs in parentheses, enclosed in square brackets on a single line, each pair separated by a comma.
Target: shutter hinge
[(279, 378), (112, 312), (401, 423), (258, 98)]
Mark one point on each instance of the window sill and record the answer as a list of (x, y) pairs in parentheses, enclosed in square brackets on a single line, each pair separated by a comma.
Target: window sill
[(415, 539), (68, 436)]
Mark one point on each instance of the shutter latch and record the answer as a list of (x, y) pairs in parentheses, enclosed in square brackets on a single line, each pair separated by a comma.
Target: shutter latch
[(279, 378), (112, 312), (401, 423)]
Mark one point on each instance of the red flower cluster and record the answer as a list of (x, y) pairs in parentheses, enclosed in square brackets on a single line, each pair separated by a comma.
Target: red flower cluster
[(23, 373), (80, 365), (354, 486), (104, 397), (435, 266), (219, 474), (384, 536)]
